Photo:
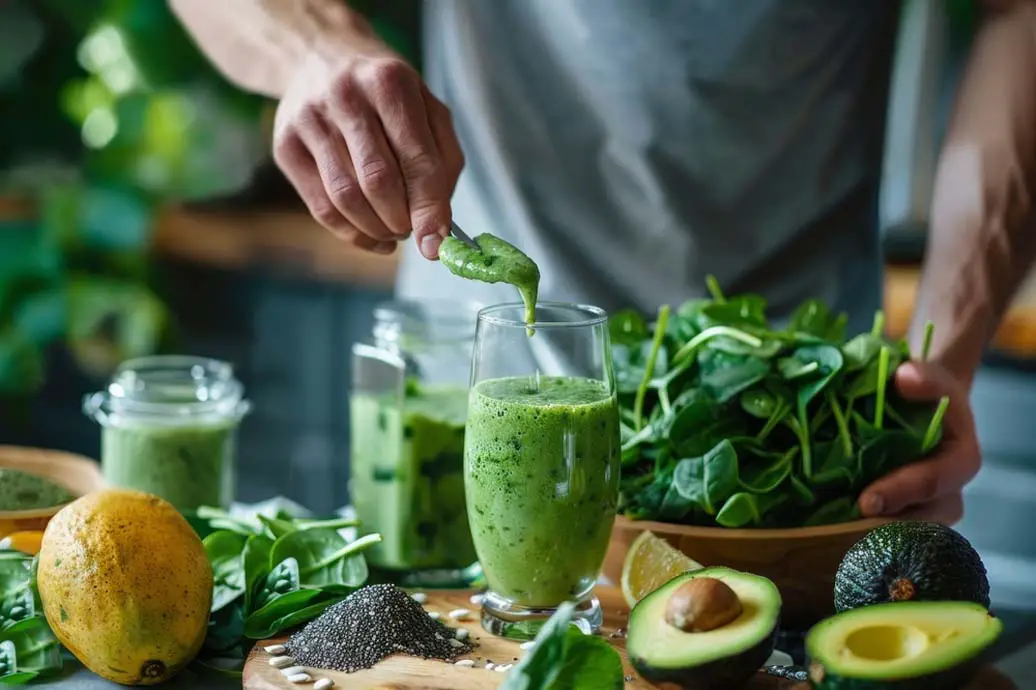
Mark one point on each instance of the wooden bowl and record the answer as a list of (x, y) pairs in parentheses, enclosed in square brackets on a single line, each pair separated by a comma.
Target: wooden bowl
[(801, 561), (79, 475)]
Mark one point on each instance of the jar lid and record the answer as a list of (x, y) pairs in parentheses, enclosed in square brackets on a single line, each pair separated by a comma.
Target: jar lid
[(172, 387)]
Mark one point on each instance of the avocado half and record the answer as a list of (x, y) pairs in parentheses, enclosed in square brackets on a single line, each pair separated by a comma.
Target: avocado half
[(924, 645), (910, 561), (719, 658)]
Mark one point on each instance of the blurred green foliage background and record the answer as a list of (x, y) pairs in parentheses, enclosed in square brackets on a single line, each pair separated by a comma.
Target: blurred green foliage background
[(108, 112)]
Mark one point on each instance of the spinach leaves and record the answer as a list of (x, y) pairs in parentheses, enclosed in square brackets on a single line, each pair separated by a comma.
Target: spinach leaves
[(28, 649), (272, 574), (728, 420), (564, 658)]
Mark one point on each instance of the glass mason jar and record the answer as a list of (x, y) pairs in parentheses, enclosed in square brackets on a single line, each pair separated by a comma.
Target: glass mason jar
[(169, 428), (407, 408)]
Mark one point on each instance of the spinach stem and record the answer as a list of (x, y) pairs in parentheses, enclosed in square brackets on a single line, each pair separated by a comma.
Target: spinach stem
[(663, 400), (801, 428), (714, 289), (209, 513), (878, 329), (933, 426), (843, 428), (711, 332), (649, 370), (776, 416), (926, 343), (336, 523), (347, 550), (883, 375)]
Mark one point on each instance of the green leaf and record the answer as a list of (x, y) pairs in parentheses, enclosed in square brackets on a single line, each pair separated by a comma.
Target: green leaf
[(828, 362), (256, 558), (563, 658), (627, 327), (861, 351), (709, 480), (590, 664), (758, 402), (224, 551), (762, 477), (269, 620), (324, 557), (814, 318), (724, 375), (746, 509), (28, 647), (834, 467)]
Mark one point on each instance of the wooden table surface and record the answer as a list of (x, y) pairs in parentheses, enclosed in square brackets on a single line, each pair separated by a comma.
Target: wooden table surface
[(291, 242)]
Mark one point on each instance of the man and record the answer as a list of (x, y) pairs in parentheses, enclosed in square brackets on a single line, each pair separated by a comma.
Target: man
[(631, 147)]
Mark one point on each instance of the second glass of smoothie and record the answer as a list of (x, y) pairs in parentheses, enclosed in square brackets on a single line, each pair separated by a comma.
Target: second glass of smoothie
[(541, 462)]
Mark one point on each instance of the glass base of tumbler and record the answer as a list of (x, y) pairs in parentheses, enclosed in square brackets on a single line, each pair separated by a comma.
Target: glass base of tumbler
[(513, 621)]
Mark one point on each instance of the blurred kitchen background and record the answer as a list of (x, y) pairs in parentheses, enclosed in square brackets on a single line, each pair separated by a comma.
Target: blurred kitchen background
[(140, 213)]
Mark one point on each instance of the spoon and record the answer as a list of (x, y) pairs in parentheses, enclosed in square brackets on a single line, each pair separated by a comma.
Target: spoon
[(459, 234)]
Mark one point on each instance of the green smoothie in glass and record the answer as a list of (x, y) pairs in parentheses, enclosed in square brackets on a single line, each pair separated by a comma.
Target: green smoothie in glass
[(542, 458), (407, 479)]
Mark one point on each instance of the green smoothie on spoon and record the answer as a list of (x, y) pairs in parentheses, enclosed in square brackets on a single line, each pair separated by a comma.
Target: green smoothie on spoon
[(494, 261)]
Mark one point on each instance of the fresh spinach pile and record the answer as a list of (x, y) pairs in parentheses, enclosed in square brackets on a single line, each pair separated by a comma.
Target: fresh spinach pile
[(565, 658), (727, 420), (272, 574), (28, 649)]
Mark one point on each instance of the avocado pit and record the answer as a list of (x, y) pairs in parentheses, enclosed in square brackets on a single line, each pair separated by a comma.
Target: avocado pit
[(702, 604)]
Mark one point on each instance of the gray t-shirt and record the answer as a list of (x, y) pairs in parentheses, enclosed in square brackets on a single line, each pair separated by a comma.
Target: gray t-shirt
[(632, 147)]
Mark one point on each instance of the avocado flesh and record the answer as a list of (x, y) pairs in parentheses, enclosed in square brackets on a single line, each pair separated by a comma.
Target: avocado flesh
[(932, 643), (717, 658)]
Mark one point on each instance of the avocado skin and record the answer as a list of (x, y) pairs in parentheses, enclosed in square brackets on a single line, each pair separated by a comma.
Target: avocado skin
[(930, 561), (954, 678), (722, 674)]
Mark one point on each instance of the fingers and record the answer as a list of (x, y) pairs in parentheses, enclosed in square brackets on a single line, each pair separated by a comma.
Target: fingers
[(302, 170), (377, 170), (370, 150), (947, 510), (921, 483), (924, 381), (395, 91), (336, 171)]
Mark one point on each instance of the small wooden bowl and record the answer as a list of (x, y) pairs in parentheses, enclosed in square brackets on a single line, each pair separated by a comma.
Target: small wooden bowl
[(801, 561), (79, 475)]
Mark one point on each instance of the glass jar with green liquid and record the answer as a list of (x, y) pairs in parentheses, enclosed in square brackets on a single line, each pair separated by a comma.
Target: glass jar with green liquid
[(169, 427), (408, 408)]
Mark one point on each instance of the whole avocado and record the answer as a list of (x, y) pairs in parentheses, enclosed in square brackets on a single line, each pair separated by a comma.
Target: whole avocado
[(126, 585), (910, 561)]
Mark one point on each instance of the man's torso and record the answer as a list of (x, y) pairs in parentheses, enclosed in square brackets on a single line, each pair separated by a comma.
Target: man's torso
[(631, 148)]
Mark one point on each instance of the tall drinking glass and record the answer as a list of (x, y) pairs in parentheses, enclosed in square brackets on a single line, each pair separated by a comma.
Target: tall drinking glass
[(541, 462)]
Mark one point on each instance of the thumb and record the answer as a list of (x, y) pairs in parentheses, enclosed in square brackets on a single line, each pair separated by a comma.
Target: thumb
[(428, 239)]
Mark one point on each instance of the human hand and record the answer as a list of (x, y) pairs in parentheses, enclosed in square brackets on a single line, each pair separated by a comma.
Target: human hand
[(370, 150), (930, 489)]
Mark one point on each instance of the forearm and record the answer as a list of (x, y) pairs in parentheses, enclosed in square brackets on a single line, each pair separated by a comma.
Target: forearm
[(982, 237), (257, 44)]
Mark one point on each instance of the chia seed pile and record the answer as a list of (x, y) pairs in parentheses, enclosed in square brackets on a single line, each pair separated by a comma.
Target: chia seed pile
[(372, 623)]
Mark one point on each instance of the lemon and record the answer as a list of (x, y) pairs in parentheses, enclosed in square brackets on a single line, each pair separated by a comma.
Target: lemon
[(650, 563)]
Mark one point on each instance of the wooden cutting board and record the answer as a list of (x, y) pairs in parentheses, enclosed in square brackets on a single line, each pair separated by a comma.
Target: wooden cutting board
[(408, 673)]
